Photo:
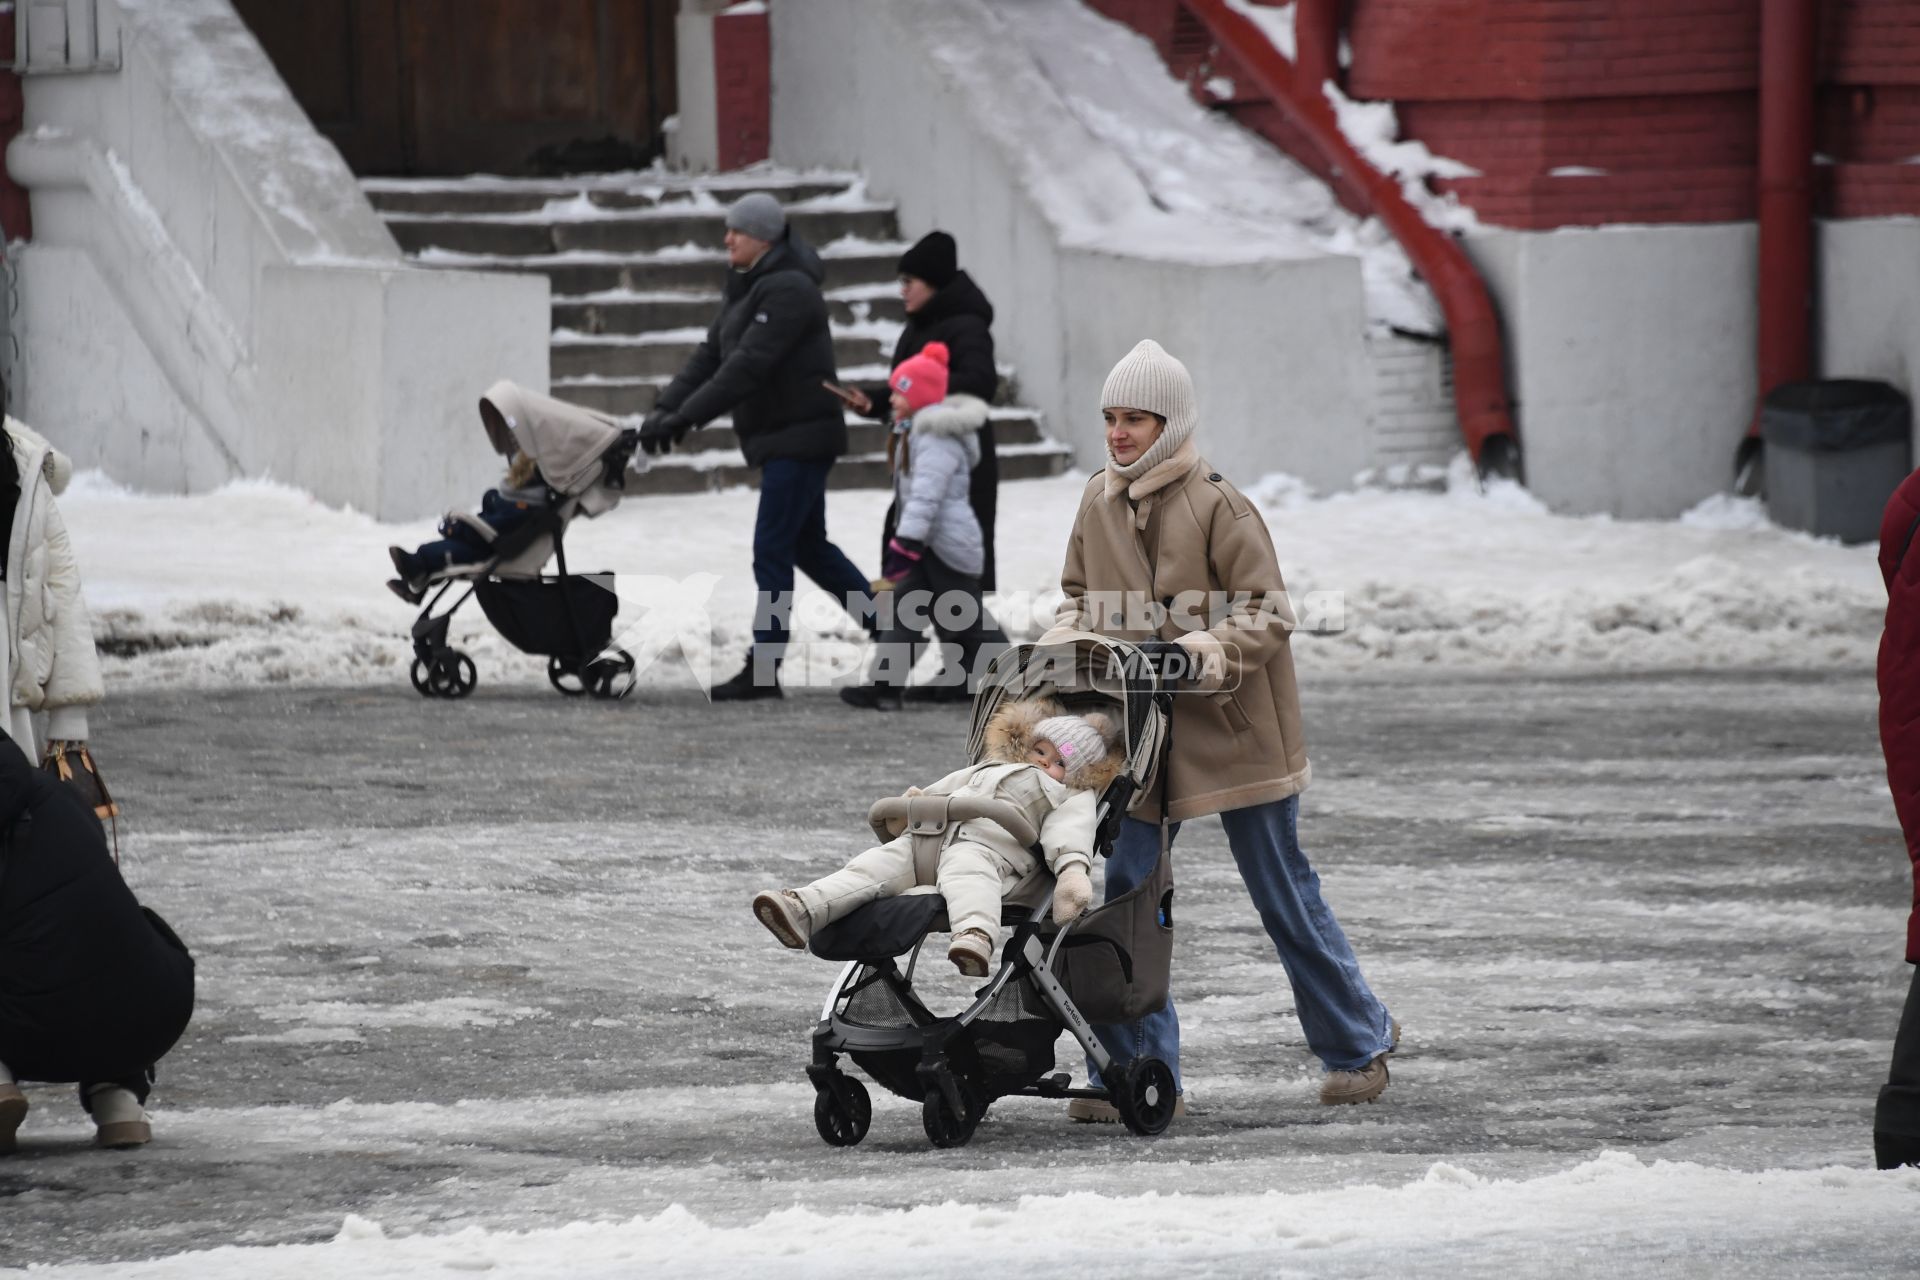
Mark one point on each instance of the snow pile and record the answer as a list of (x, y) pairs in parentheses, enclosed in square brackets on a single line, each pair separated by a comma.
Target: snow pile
[(1613, 1211), (259, 583), (1215, 191)]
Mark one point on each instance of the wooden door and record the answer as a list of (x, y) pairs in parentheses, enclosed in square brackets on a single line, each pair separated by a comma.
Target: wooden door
[(440, 87)]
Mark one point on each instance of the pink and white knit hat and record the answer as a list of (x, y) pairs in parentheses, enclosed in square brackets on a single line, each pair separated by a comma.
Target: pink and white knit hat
[(1079, 743)]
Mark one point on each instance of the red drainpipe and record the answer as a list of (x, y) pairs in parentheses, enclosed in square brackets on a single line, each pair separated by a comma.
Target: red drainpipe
[(1479, 359), (1786, 199), (1316, 41), (16, 221)]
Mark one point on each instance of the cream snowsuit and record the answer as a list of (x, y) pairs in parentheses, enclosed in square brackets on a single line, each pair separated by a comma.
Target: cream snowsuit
[(983, 862)]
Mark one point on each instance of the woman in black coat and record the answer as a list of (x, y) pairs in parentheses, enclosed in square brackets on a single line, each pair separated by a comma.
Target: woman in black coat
[(94, 988), (945, 305)]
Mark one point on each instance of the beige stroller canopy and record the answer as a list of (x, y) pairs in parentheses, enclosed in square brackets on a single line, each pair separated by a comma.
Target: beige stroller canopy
[(565, 441)]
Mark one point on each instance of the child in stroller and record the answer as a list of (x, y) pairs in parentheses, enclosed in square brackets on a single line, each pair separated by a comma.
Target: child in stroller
[(566, 462), (469, 539), (1050, 765), (1108, 964)]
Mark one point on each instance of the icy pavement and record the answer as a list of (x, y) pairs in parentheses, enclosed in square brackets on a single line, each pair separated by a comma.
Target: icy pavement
[(479, 992)]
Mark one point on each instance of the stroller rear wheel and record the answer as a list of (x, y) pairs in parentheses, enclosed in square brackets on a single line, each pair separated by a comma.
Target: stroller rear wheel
[(842, 1112), (944, 1128), (1144, 1096), (611, 675)]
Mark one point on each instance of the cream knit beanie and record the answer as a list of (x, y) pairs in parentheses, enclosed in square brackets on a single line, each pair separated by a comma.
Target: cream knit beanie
[(1079, 741), (1148, 378)]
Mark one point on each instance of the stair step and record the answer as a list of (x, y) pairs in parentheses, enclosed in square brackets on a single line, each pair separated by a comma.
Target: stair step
[(854, 471), (621, 311), (486, 195), (640, 232), (860, 263), (666, 352)]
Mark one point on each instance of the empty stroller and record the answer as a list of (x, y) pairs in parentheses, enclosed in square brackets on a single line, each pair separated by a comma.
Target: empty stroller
[(1111, 964), (582, 459)]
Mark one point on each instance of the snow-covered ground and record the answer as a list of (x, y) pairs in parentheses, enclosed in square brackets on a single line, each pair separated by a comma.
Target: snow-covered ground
[(258, 583)]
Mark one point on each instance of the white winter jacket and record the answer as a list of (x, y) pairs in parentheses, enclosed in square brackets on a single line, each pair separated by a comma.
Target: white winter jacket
[(1069, 815), (46, 645), (930, 491)]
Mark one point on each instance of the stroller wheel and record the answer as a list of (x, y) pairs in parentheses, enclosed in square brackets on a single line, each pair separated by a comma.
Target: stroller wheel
[(452, 675), (566, 677), (843, 1112), (611, 676), (945, 1129), (1144, 1096), (421, 685)]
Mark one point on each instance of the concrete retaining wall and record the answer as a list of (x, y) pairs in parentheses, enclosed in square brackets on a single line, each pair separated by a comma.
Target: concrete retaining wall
[(210, 296)]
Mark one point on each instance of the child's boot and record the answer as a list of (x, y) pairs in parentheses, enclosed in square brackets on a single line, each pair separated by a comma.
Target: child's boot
[(118, 1119), (13, 1109), (785, 916), (971, 952)]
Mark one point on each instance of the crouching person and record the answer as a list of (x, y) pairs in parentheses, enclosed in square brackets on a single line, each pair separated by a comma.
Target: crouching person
[(94, 988)]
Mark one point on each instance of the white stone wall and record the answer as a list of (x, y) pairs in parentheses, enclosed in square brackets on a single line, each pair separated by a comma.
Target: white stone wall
[(1632, 348), (209, 295), (960, 130)]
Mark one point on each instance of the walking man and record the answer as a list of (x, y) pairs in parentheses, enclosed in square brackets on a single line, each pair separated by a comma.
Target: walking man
[(767, 358)]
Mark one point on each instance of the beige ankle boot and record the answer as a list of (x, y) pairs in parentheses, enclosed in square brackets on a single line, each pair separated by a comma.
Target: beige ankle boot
[(118, 1119), (13, 1109)]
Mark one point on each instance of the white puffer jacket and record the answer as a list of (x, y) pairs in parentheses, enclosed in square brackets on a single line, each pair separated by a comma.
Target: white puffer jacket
[(47, 644)]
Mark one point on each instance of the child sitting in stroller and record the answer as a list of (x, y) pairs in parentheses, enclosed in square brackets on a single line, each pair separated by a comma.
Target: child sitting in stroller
[(1050, 765), (468, 539)]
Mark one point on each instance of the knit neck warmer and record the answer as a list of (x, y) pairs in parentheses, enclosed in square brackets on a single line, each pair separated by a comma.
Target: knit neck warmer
[(1170, 457)]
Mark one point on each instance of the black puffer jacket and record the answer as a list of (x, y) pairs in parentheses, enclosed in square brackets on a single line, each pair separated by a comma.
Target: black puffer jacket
[(765, 358), (93, 987)]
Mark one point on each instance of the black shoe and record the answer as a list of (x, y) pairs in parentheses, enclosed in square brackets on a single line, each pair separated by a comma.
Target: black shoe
[(1893, 1150), (872, 697), (743, 687), (939, 693), (399, 587)]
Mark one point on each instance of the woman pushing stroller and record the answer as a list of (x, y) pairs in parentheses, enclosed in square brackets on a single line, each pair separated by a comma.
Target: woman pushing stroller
[(1051, 766), (1159, 525)]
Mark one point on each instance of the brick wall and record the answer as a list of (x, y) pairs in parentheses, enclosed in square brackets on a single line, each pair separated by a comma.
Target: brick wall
[(743, 88), (1660, 96)]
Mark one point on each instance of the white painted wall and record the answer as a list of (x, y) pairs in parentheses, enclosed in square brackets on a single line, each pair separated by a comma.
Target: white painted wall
[(209, 295), (695, 141), (1632, 348), (961, 129)]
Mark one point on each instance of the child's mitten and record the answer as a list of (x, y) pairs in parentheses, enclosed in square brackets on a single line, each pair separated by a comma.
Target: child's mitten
[(1072, 892)]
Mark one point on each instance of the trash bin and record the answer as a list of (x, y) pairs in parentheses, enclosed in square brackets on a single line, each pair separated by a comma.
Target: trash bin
[(1836, 451)]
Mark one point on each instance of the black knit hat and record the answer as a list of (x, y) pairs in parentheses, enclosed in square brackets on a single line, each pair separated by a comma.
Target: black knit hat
[(934, 259)]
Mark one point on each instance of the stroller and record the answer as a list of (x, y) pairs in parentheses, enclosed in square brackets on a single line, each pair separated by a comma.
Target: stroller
[(1109, 965), (582, 458)]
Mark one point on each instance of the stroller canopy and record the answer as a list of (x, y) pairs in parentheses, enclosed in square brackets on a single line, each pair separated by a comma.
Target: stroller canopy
[(1082, 670), (565, 441)]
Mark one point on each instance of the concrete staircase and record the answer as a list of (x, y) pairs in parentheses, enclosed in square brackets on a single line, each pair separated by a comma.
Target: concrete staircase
[(637, 267)]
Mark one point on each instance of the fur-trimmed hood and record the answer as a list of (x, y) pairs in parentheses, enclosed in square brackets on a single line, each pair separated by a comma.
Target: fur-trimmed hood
[(958, 415), (1011, 733), (32, 450)]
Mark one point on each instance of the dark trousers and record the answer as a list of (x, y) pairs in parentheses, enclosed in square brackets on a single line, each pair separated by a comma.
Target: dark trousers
[(1896, 1117), (789, 533), (939, 596)]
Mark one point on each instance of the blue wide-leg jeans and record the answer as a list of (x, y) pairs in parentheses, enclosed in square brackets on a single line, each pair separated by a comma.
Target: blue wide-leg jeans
[(1346, 1025)]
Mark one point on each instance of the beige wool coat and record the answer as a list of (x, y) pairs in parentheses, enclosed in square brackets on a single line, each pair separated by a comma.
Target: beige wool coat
[(1182, 528)]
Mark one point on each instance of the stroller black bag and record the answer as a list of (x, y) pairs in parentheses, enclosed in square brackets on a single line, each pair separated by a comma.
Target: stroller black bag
[(531, 613), (1117, 962)]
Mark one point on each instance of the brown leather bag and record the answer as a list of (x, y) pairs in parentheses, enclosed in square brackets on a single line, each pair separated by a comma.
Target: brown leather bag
[(72, 763)]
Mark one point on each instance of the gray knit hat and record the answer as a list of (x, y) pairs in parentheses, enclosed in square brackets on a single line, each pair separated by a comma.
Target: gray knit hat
[(1078, 741), (759, 215), (1148, 378)]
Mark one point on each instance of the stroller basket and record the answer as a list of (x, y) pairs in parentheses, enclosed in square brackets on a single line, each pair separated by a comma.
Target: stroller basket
[(533, 613), (1003, 1049)]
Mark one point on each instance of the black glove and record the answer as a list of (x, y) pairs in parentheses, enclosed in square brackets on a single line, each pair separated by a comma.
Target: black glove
[(1170, 661), (663, 429), (613, 463)]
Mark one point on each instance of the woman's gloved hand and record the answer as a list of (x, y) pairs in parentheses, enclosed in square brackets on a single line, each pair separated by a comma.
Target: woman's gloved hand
[(1072, 892)]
